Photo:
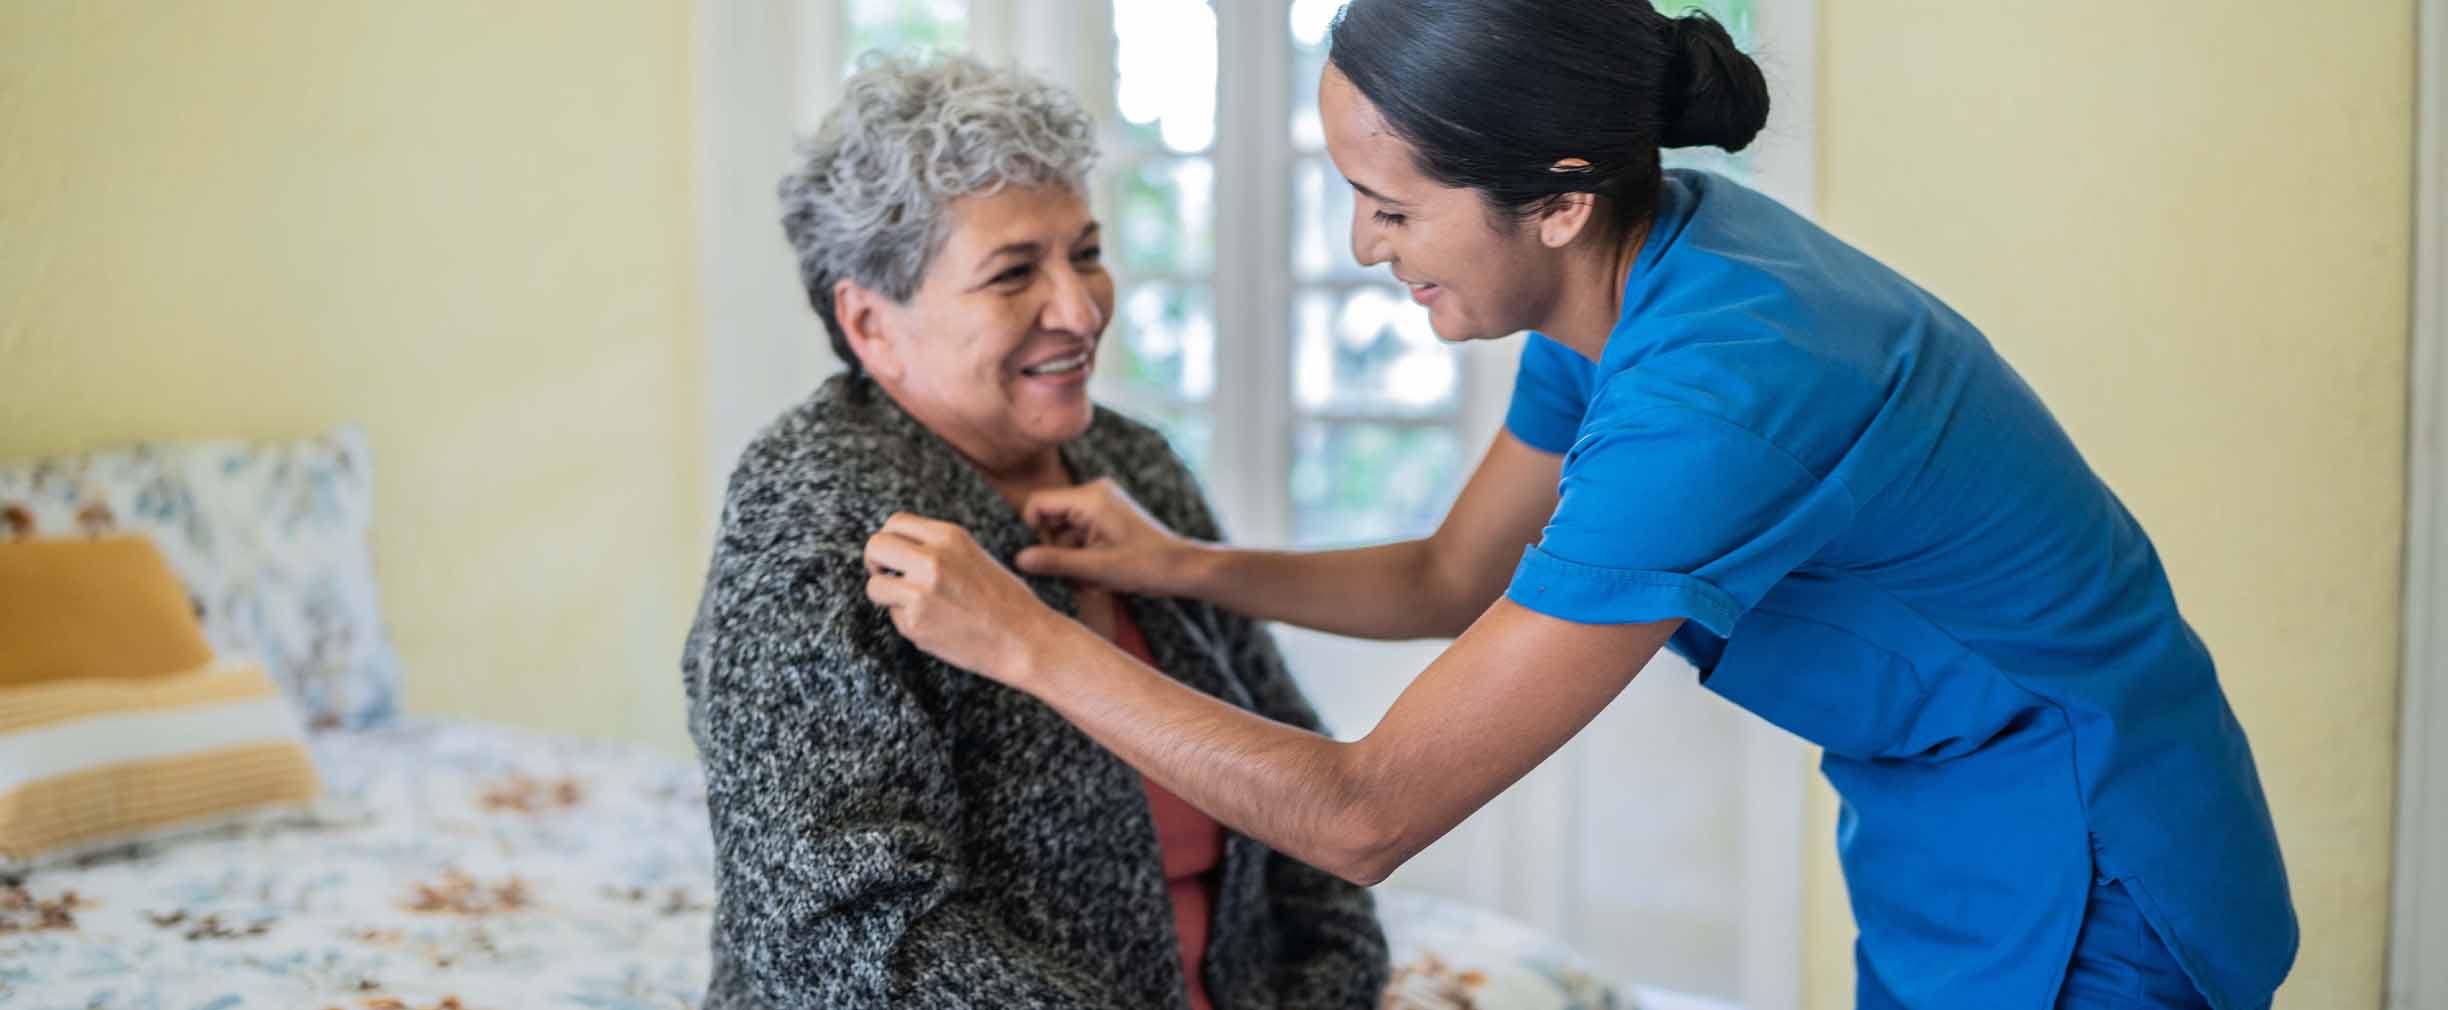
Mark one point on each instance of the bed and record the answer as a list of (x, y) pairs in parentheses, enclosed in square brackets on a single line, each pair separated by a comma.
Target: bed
[(466, 866), (450, 865)]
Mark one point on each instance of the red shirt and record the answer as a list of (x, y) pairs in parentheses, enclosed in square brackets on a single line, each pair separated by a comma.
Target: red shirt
[(1192, 842)]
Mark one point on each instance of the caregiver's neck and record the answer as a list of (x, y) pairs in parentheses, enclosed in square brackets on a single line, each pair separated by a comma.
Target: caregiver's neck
[(1590, 275)]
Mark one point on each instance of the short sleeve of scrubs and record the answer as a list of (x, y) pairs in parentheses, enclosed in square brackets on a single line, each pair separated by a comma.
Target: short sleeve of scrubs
[(1550, 393), (1667, 511)]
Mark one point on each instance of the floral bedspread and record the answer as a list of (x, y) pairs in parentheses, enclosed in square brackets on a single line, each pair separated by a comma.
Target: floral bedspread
[(460, 866)]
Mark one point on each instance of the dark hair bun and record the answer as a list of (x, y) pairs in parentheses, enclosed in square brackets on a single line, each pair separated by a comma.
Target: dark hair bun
[(1714, 95)]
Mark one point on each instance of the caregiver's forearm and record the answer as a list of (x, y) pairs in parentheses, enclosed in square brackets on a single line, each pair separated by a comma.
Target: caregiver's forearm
[(1388, 591), (1435, 587), (1300, 793), (1509, 692)]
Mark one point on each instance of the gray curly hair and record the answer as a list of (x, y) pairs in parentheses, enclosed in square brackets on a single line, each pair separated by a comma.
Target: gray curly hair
[(870, 195)]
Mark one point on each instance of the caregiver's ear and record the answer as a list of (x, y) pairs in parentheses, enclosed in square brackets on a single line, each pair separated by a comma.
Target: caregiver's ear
[(1566, 216), (862, 314)]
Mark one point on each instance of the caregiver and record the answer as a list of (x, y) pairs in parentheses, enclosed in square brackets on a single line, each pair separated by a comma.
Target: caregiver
[(1732, 436)]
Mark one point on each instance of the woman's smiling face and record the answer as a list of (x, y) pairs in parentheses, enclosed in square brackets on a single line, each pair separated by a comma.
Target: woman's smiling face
[(1481, 276), (994, 349)]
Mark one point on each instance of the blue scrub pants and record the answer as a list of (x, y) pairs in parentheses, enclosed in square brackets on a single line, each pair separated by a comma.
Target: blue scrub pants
[(2119, 963)]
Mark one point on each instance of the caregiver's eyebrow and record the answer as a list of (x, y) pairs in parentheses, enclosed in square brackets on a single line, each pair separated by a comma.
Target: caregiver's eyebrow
[(1374, 195)]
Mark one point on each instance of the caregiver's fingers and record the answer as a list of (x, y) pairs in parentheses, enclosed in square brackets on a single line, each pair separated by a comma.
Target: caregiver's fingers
[(892, 592), (1052, 507), (920, 528), (1071, 508), (899, 554)]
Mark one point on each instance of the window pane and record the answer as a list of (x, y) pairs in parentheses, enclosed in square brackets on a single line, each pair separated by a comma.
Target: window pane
[(1321, 224), (1162, 346), (1369, 349), (1356, 481), (1159, 365), (1191, 432), (904, 26), (1309, 21), (1165, 72), (1163, 221), (1321, 220)]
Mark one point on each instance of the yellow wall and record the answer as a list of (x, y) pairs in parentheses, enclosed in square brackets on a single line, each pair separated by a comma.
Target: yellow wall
[(467, 226), (2186, 223)]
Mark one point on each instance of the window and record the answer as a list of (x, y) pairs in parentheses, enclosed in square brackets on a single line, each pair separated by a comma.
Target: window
[(901, 26), (1377, 447), (1336, 416), (1341, 420), (1158, 204), (1353, 421)]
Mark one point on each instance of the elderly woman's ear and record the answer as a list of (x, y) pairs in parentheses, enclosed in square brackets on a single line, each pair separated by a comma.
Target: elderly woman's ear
[(862, 314)]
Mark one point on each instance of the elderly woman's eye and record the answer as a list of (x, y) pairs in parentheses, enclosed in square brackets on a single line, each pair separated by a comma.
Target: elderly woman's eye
[(1014, 275), (1092, 254)]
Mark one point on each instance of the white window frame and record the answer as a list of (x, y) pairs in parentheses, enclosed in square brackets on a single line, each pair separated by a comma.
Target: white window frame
[(769, 67), (1253, 402)]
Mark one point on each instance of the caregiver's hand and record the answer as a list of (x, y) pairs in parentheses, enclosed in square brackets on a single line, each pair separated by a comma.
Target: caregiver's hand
[(952, 599), (1095, 533)]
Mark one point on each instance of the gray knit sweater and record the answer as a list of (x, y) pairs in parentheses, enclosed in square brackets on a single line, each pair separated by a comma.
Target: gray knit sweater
[(891, 831)]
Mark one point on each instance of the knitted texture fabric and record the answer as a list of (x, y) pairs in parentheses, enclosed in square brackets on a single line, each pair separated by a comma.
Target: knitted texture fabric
[(893, 832)]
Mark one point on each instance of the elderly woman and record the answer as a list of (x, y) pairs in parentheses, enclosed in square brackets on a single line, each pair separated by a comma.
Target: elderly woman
[(891, 831)]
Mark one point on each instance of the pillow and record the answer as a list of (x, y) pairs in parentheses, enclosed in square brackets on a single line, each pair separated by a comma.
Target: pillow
[(97, 762), (270, 539), (93, 608)]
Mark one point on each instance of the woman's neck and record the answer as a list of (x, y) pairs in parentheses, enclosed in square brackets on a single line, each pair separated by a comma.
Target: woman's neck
[(1589, 299), (1015, 472), (1043, 472)]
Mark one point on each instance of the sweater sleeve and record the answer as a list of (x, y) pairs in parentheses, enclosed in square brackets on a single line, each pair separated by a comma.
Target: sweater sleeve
[(834, 809)]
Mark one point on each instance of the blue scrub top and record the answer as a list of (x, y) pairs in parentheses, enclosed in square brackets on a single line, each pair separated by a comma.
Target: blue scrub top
[(1880, 540)]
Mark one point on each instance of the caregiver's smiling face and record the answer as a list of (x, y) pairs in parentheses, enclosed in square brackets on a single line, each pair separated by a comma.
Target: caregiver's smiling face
[(1481, 275), (994, 349)]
